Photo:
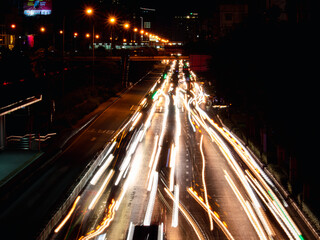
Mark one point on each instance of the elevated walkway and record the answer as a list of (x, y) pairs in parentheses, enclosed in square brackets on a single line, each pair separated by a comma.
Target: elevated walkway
[(131, 58), (9, 108)]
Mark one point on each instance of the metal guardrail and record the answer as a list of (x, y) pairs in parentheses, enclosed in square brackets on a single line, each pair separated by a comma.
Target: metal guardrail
[(283, 191), (84, 178)]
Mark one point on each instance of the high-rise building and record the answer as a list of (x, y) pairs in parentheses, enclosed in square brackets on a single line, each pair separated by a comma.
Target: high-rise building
[(186, 27), (147, 18), (231, 15)]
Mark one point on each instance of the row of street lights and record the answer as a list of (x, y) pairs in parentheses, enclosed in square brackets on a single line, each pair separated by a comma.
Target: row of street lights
[(112, 21)]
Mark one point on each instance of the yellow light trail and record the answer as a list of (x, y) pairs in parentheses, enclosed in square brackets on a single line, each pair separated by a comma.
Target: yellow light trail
[(289, 224), (204, 182), (212, 214), (247, 208), (104, 224), (68, 215), (187, 216)]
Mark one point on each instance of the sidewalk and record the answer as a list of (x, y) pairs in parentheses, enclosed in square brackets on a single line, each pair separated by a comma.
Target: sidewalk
[(14, 161)]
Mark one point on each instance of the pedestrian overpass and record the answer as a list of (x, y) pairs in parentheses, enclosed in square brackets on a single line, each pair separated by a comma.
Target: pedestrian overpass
[(131, 58), (9, 108)]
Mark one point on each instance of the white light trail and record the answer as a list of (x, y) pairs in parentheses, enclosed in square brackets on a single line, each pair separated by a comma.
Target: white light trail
[(130, 231), (265, 182), (211, 213), (187, 106), (187, 216), (154, 160), (155, 145), (165, 118), (152, 111), (148, 215), (97, 176), (204, 183), (109, 151), (130, 151), (172, 165), (175, 207), (153, 169), (135, 121), (247, 208), (102, 188), (160, 232)]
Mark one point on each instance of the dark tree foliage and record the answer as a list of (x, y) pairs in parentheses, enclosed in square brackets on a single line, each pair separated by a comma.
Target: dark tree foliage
[(268, 70)]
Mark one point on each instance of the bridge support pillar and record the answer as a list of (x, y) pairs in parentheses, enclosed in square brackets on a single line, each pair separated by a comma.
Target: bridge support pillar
[(2, 132)]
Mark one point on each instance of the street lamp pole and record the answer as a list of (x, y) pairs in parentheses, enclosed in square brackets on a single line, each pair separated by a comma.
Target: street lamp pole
[(93, 56), (112, 21), (63, 52), (89, 12), (63, 36)]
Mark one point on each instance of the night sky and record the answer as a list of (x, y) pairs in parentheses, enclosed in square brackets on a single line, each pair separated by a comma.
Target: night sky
[(164, 14)]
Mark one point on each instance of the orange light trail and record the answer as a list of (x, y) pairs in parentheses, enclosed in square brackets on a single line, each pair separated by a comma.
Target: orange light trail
[(104, 224), (68, 215)]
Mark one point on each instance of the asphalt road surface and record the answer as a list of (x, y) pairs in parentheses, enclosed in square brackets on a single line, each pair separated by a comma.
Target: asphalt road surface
[(169, 166), (173, 167), (25, 215)]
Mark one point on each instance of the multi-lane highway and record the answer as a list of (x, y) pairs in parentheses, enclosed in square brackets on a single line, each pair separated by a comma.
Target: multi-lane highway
[(168, 172), (173, 168)]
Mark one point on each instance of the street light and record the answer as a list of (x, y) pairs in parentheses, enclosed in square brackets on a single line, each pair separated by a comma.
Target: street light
[(89, 11), (112, 20), (13, 26), (135, 30), (126, 25), (42, 29)]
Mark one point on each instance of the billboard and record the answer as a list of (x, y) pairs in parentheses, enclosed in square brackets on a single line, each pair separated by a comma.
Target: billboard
[(37, 7)]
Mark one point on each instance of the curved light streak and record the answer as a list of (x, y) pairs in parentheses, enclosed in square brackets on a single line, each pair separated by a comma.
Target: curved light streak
[(104, 224), (68, 215), (213, 215), (187, 216), (204, 182), (203, 119)]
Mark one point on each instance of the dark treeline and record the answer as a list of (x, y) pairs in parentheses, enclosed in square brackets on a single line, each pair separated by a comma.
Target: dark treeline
[(267, 71)]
